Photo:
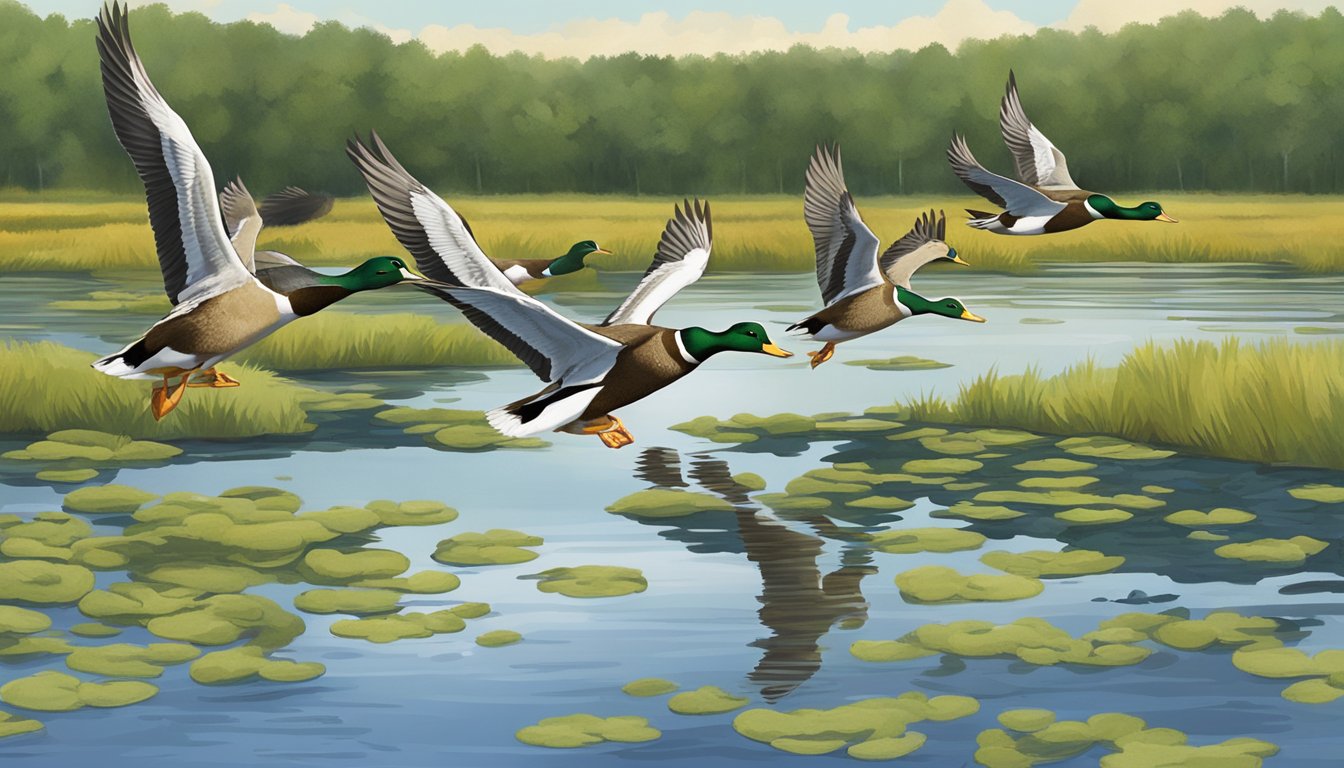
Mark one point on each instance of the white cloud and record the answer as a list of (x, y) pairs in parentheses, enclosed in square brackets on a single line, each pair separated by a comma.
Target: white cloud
[(707, 33), (1109, 16), (287, 19)]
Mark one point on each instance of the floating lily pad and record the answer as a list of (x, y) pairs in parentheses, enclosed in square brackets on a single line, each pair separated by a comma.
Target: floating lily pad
[(1093, 516), (910, 540), (422, 583), (1158, 489), (969, 511), (889, 503), (1111, 448), (223, 619), (1219, 516), (584, 730), (706, 700), (235, 665), (359, 602), (470, 610), (1069, 499), (16, 725), (1066, 483), (940, 584), (412, 512), (1032, 640), (94, 629), (784, 502), (1316, 691), (591, 581), (1055, 465), (359, 564), (107, 499), (1325, 494), (900, 363), (665, 502), (126, 660), (497, 638), (399, 626), (37, 581), (1293, 550), (941, 466), (50, 691), (873, 727), (649, 686), (750, 480), (498, 546), (1206, 536), (22, 621), (208, 577), (953, 444), (66, 476), (1045, 564), (1026, 720), (888, 650)]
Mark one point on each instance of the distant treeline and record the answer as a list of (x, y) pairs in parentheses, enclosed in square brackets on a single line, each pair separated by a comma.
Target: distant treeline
[(1231, 103)]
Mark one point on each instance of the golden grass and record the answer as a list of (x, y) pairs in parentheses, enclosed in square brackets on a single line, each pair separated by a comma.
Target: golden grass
[(341, 340), (45, 387), (1272, 402), (87, 231)]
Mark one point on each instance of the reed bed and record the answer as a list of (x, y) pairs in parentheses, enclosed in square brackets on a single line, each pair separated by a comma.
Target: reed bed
[(343, 340), (752, 234), (1273, 402)]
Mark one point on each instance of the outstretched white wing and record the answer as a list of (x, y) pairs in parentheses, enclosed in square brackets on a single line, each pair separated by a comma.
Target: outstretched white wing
[(846, 247), (1039, 161), (683, 254)]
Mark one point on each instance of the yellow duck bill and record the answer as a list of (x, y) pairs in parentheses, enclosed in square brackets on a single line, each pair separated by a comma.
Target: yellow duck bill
[(967, 314), (1168, 219), (775, 351)]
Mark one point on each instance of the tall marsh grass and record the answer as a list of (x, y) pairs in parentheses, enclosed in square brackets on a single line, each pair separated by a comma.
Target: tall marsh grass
[(751, 234), (344, 340), (45, 387), (1273, 402)]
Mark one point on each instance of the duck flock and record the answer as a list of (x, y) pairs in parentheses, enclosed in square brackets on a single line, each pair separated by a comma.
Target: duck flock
[(226, 295)]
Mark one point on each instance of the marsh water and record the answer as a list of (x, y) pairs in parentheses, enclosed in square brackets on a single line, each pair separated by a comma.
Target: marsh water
[(761, 603)]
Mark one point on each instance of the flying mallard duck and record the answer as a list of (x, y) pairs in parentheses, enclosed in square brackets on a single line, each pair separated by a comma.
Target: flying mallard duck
[(219, 306), (1047, 199), (589, 370), (864, 292)]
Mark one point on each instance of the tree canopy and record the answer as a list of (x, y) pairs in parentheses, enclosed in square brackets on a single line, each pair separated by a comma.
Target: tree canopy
[(1231, 103)]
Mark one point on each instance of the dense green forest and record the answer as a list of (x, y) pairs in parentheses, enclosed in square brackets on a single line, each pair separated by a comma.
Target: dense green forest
[(1232, 103)]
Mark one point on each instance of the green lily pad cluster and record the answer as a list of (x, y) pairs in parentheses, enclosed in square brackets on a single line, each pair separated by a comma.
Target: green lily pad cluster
[(1111, 448), (706, 700), (1039, 564), (1194, 518), (498, 638), (1037, 737), (591, 581), (50, 691), (747, 428), (940, 584), (871, 729), (453, 429), (1067, 498), (649, 686), (667, 502), (911, 540), (1324, 672), (17, 725), (71, 455), (498, 546), (900, 363), (1284, 551), (585, 730), (1320, 492)]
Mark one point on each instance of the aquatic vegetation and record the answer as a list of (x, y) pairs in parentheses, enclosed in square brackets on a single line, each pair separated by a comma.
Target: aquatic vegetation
[(1046, 564), (746, 428), (107, 499), (870, 729), (49, 691), (453, 429), (76, 449), (1325, 671), (750, 480), (17, 725), (649, 686), (235, 665), (1094, 516), (399, 626), (585, 730), (1058, 498), (941, 466), (1219, 516), (66, 475), (1325, 494), (37, 581), (706, 700), (359, 602), (128, 302), (1043, 739), (1132, 402), (909, 540), (470, 610), (668, 502), (340, 567), (498, 546), (1293, 550), (93, 629), (343, 340), (1066, 483), (498, 638), (126, 660), (971, 511), (940, 584), (1055, 465), (900, 363), (419, 512), (591, 581), (21, 621), (1032, 640), (1110, 448)]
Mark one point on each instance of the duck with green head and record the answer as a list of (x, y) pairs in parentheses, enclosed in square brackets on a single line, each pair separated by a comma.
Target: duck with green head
[(590, 370), (1046, 199), (865, 292), (220, 307), (520, 271)]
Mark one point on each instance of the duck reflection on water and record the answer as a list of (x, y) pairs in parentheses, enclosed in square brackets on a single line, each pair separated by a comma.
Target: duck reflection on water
[(799, 605)]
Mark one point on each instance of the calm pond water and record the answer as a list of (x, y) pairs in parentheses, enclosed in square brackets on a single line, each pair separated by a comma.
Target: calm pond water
[(761, 603)]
